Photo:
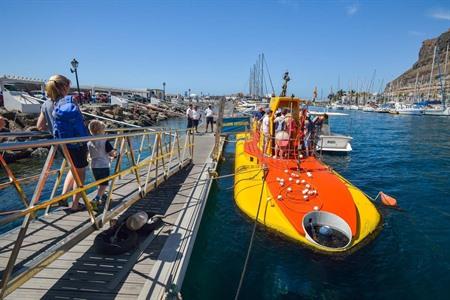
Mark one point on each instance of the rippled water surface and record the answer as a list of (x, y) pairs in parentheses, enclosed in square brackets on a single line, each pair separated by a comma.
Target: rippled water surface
[(405, 156)]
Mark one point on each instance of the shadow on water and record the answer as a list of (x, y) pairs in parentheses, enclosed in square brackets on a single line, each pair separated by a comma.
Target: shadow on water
[(405, 156)]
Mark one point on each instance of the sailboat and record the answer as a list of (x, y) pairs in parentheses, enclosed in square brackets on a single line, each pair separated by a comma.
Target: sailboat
[(296, 194), (440, 110)]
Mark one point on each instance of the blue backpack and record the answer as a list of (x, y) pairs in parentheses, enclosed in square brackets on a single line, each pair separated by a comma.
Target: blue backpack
[(68, 121)]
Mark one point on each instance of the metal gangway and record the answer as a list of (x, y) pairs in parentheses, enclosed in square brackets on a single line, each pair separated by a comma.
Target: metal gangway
[(46, 252)]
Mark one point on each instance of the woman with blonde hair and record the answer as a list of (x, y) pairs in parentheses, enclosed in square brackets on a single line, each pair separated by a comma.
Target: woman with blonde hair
[(64, 119)]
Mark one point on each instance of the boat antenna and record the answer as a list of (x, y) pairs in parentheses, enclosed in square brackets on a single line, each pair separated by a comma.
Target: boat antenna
[(284, 87)]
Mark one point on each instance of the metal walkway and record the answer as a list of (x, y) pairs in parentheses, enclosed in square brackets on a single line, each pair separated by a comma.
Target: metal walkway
[(57, 254)]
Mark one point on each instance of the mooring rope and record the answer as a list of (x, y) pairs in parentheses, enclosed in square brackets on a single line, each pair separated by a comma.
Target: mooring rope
[(244, 270)]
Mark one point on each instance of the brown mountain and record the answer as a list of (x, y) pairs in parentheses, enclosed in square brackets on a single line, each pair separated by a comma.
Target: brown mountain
[(404, 85)]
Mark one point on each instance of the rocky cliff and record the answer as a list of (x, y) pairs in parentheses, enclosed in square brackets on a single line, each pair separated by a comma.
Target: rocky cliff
[(404, 86)]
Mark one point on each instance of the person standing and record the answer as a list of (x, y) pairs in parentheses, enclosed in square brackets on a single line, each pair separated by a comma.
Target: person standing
[(68, 122), (196, 118), (101, 152), (45, 119), (209, 118), (189, 116), (265, 129)]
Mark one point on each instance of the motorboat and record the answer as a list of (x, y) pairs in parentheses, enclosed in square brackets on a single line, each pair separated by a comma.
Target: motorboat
[(336, 106), (368, 108), (437, 111), (408, 109), (298, 195), (330, 142)]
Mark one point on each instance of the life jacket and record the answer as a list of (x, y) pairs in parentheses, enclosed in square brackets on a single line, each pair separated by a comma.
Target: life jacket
[(68, 121), (280, 124)]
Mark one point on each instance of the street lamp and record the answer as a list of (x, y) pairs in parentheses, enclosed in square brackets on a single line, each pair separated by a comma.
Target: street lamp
[(74, 68), (164, 91), (189, 94)]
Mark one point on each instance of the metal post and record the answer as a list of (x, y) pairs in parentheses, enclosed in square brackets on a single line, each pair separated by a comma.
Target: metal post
[(136, 171), (57, 182), (15, 182), (77, 180), (219, 125), (26, 221), (113, 181)]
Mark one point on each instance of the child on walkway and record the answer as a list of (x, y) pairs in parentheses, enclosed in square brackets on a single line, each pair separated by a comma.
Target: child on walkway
[(101, 152)]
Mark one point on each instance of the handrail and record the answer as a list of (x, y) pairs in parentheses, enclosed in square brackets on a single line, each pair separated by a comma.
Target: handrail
[(51, 142), (28, 134), (159, 152)]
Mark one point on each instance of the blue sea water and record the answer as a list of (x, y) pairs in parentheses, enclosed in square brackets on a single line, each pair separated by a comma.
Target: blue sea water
[(407, 157)]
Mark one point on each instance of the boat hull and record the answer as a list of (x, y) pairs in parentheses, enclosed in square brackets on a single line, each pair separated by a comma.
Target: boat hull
[(334, 143), (437, 112), (275, 213)]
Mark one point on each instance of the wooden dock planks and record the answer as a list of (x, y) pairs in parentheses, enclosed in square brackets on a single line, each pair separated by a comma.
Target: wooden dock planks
[(83, 274)]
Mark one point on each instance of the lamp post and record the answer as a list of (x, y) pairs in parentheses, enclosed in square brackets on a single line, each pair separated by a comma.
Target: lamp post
[(164, 91), (74, 68), (189, 94)]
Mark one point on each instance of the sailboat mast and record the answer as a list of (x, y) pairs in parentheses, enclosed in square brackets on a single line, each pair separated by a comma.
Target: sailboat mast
[(446, 60), (431, 74), (442, 83), (415, 87)]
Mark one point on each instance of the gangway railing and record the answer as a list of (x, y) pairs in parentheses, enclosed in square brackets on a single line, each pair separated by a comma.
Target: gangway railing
[(152, 156)]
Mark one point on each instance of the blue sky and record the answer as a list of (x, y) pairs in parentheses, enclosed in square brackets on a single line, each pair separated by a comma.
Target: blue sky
[(209, 46)]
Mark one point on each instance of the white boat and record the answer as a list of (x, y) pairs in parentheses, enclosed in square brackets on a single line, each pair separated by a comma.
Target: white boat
[(21, 101), (354, 107), (368, 109), (329, 142), (337, 106), (406, 109), (439, 111), (334, 143)]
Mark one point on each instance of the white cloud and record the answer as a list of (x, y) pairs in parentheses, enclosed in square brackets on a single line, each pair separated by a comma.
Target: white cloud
[(415, 33), (352, 9), (440, 14)]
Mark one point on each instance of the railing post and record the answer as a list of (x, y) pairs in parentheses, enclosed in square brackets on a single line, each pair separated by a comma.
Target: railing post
[(57, 182), (113, 181), (151, 162), (177, 139), (141, 147), (157, 149), (161, 147), (77, 180), (136, 171), (15, 182), (26, 221), (219, 124)]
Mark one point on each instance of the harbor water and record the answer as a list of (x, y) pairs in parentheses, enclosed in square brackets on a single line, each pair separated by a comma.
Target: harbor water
[(407, 157)]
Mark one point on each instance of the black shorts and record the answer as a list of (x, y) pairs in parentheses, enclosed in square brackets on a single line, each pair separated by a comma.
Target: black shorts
[(79, 156), (100, 173), (209, 120), (189, 124), (195, 123)]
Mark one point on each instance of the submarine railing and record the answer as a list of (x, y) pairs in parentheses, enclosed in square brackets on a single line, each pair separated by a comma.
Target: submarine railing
[(157, 151)]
